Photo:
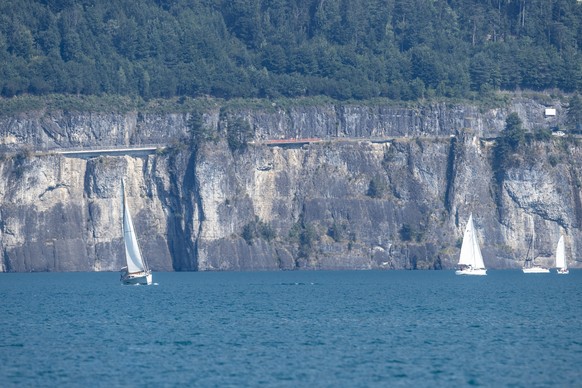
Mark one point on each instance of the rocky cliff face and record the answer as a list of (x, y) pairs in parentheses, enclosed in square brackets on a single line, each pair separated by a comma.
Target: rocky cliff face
[(399, 201)]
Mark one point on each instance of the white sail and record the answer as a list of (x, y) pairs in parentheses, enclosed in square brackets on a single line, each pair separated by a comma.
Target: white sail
[(133, 257), (477, 256), (470, 250), (561, 254)]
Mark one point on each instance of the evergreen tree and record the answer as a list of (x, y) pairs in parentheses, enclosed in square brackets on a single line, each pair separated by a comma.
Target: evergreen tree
[(513, 131), (575, 113)]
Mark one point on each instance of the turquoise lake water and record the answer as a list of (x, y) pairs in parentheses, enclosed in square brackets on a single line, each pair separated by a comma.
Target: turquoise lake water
[(328, 329)]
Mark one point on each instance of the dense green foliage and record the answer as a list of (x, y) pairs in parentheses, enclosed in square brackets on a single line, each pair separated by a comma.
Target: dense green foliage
[(506, 145), (377, 187), (575, 113), (238, 134), (257, 229), (344, 49)]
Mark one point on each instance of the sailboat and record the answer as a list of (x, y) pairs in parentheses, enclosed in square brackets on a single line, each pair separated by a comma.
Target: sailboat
[(529, 266), (561, 257), (470, 259), (136, 271)]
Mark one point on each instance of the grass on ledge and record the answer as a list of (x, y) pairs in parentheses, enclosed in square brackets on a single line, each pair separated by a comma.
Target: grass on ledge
[(123, 104)]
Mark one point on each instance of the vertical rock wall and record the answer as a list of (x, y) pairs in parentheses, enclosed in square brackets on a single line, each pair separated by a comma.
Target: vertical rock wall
[(397, 203)]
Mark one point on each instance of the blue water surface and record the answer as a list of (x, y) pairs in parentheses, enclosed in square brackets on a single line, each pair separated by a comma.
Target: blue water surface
[(329, 329)]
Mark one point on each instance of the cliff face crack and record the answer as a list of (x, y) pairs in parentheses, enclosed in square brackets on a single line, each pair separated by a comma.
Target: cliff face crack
[(449, 191), (182, 242), (533, 206), (50, 130), (576, 196), (53, 188), (199, 209)]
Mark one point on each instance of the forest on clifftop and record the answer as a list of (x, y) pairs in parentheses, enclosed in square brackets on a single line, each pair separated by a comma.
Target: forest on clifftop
[(344, 49)]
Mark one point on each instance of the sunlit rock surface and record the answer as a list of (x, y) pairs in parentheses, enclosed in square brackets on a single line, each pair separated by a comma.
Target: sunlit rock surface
[(383, 187)]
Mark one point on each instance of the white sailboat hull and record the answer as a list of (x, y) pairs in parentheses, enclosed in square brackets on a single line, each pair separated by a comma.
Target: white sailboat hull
[(141, 278), (535, 270), (471, 271), (563, 271)]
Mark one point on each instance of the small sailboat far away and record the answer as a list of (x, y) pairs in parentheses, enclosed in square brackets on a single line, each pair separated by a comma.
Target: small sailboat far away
[(561, 257), (529, 266), (470, 259), (136, 271)]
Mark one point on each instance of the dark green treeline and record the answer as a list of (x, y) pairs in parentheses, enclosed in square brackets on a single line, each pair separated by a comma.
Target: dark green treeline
[(344, 49)]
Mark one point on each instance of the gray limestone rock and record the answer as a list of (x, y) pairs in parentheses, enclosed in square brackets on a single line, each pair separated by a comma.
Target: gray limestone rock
[(395, 196)]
